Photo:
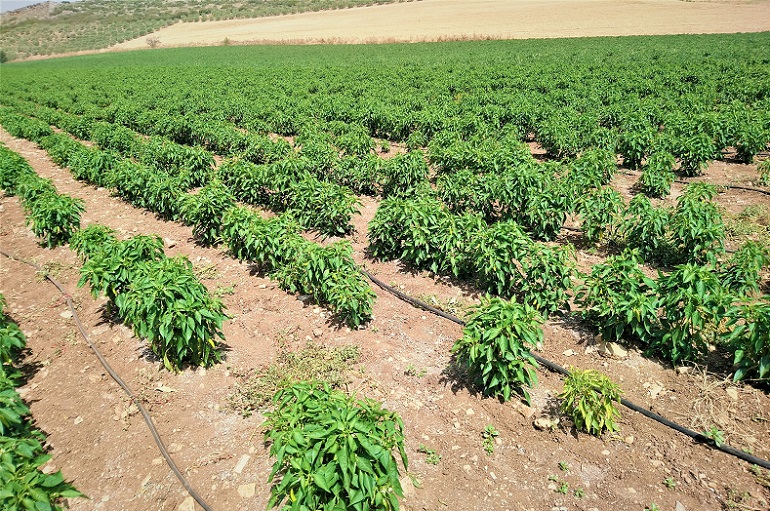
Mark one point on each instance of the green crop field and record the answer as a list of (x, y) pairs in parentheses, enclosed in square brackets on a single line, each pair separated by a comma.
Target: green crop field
[(441, 137)]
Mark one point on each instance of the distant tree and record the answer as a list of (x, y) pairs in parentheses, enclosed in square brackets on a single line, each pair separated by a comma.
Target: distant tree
[(153, 42), (3, 57)]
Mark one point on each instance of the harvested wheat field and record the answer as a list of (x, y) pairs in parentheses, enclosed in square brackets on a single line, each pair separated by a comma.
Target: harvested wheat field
[(440, 20)]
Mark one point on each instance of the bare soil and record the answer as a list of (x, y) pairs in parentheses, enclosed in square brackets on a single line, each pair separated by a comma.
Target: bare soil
[(441, 20), (102, 445)]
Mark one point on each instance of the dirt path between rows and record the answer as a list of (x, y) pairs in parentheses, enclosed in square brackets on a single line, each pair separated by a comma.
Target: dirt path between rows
[(437, 20)]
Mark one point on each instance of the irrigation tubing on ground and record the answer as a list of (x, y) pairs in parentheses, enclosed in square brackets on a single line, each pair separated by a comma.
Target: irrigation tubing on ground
[(119, 381), (736, 187), (698, 437)]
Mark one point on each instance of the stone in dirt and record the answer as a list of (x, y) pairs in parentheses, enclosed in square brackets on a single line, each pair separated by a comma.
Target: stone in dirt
[(680, 506), (612, 349), (407, 485), (546, 423), (187, 504), (247, 491), (241, 463)]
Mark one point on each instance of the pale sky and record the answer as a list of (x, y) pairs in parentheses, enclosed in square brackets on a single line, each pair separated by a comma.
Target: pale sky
[(10, 5)]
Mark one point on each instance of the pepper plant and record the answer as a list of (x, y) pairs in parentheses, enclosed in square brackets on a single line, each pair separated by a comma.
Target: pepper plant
[(589, 398), (495, 347), (694, 306), (750, 340), (619, 300), (333, 451), (167, 305)]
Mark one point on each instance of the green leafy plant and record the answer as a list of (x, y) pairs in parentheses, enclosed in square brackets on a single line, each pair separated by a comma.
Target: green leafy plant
[(670, 483), (432, 457), (111, 265), (645, 229), (167, 305), (22, 484), (694, 305), (161, 298), (589, 398), (694, 153), (563, 466), (54, 218), (333, 451), (601, 212), (657, 174), (328, 273), (205, 209), (741, 274), (563, 488), (764, 173), (404, 173), (697, 229), (489, 435), (411, 370), (495, 347), (12, 341), (717, 435), (619, 299), (750, 340), (509, 263)]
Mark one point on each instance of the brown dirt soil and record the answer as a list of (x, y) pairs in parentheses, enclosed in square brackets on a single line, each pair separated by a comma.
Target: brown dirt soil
[(103, 446), (441, 20)]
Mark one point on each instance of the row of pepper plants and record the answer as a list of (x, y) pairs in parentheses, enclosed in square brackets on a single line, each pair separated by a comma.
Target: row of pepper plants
[(160, 297), (687, 96), (352, 439), (328, 273), (23, 485)]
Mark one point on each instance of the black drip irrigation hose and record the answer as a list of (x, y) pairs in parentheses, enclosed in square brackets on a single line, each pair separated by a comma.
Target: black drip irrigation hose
[(736, 187), (119, 381), (698, 437)]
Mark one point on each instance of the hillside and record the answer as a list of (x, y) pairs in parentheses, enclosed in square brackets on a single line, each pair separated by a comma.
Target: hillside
[(51, 28), (451, 20)]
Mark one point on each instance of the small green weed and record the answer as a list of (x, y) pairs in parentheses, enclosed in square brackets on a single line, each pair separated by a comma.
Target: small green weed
[(670, 483), (432, 457), (717, 435), (489, 434), (762, 477), (411, 370)]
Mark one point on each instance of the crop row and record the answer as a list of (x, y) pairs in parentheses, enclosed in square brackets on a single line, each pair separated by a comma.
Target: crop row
[(53, 217), (22, 484), (160, 297), (288, 184), (328, 273), (340, 154), (633, 96)]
